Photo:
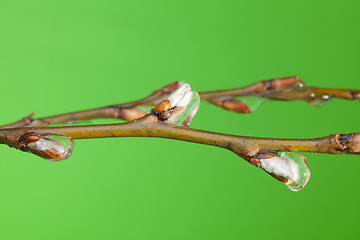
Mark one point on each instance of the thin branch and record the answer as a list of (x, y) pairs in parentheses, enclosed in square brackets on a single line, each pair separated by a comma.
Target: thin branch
[(288, 88), (125, 111), (150, 126), (177, 104)]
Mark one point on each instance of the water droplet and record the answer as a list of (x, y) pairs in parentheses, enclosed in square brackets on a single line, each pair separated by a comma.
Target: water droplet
[(300, 85), (179, 94), (302, 168), (319, 101), (52, 147), (185, 109), (253, 102), (291, 168)]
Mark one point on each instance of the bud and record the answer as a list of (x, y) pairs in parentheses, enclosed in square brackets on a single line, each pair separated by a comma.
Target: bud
[(180, 107), (290, 168), (51, 147), (235, 105), (253, 103)]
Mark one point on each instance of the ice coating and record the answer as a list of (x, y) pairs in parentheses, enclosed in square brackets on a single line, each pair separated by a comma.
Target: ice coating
[(253, 102), (180, 107), (50, 146), (179, 94), (43, 144), (186, 100), (186, 110), (281, 166), (292, 167), (184, 104), (193, 106)]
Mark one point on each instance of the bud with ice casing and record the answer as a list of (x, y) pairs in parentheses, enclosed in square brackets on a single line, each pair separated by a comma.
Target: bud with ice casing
[(180, 107), (49, 146), (290, 168)]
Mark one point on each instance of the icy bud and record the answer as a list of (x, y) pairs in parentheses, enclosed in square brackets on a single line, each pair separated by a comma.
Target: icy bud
[(245, 104), (180, 107), (51, 147), (290, 168)]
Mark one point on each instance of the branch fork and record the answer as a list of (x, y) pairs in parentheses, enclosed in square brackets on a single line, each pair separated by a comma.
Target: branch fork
[(174, 107)]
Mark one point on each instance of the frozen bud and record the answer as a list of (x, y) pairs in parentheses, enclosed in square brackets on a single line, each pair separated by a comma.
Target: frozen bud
[(235, 105), (48, 146), (179, 94), (290, 168), (253, 103), (180, 107)]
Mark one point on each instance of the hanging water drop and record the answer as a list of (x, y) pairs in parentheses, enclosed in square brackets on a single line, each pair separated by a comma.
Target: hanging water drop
[(185, 110), (302, 168), (51, 147), (300, 86), (253, 102), (290, 168), (319, 101)]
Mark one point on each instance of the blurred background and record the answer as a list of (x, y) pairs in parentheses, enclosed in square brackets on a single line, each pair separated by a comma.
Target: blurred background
[(69, 55)]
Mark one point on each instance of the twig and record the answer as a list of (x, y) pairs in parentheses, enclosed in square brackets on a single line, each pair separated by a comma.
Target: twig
[(288, 88), (261, 152), (56, 143), (150, 126)]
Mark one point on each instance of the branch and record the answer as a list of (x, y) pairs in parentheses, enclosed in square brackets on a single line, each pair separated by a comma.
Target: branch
[(56, 143), (179, 107), (150, 126), (288, 88), (47, 142)]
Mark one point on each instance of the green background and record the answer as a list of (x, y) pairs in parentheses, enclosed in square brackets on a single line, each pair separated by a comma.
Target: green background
[(61, 56)]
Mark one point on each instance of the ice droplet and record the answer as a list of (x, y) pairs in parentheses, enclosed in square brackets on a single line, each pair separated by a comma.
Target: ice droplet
[(186, 109), (179, 94), (303, 169), (291, 168), (51, 147), (180, 107), (253, 102), (319, 101)]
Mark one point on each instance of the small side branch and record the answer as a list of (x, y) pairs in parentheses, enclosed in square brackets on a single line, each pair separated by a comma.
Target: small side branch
[(288, 88), (176, 105)]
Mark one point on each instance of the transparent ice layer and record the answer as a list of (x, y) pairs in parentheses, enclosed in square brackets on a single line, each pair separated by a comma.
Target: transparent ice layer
[(253, 102), (184, 104), (292, 167), (51, 147)]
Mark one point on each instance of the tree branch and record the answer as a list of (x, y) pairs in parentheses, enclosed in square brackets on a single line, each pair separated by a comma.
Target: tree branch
[(56, 143), (288, 88), (150, 126)]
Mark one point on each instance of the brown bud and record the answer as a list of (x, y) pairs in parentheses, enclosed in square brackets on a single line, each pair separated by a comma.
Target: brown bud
[(129, 114), (255, 160), (162, 106), (235, 106), (279, 83), (28, 138), (52, 147)]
